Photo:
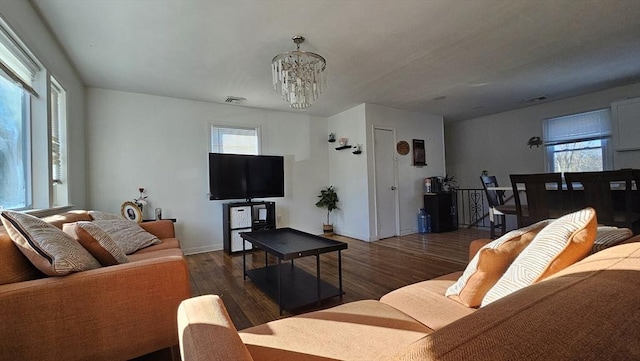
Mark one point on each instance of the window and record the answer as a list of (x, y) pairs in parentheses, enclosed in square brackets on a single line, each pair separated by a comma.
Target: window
[(235, 140), (58, 103), (14, 155), (17, 73), (579, 142)]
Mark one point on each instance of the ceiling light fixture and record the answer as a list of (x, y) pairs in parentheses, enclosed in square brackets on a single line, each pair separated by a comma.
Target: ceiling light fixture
[(299, 76)]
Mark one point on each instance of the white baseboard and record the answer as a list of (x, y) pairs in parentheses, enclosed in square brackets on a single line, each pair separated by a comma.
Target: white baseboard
[(201, 249)]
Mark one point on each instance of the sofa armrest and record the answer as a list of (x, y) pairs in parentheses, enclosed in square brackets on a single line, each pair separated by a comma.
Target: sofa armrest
[(117, 312), (206, 331), (162, 228), (475, 246)]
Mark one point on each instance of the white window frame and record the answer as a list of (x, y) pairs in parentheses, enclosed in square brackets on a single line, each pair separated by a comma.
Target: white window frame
[(58, 132), (212, 145), (600, 131)]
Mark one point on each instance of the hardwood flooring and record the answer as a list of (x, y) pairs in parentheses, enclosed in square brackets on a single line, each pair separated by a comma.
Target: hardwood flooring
[(369, 270)]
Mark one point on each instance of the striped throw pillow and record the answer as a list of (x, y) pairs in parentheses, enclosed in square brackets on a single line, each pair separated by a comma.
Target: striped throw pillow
[(49, 249), (609, 236), (565, 241), (128, 235), (97, 242), (489, 263)]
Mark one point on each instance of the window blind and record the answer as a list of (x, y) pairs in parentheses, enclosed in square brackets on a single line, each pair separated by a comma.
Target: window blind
[(56, 136), (16, 63), (577, 127)]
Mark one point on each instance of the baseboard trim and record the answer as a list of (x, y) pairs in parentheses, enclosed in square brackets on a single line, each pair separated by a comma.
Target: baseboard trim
[(201, 249)]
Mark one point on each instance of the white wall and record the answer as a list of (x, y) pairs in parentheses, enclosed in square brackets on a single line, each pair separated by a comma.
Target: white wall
[(498, 143), (348, 174), (25, 22), (408, 126), (353, 175), (162, 144)]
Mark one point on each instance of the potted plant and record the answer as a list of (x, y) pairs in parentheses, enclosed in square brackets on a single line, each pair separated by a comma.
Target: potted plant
[(329, 199), (449, 183)]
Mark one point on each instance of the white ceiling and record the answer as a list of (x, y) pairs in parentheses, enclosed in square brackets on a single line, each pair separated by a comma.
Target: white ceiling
[(482, 56)]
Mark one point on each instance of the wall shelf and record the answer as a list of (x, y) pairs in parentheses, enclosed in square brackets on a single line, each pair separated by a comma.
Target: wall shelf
[(344, 147)]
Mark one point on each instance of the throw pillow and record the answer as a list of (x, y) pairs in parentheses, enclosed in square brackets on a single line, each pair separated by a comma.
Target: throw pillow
[(609, 237), (489, 263), (49, 249), (128, 235), (565, 241), (99, 216), (97, 242)]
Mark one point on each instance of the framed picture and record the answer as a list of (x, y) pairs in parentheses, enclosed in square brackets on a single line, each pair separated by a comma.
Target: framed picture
[(130, 211), (419, 157)]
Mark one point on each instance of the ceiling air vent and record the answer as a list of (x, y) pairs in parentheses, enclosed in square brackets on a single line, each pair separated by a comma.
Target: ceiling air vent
[(235, 100), (535, 99)]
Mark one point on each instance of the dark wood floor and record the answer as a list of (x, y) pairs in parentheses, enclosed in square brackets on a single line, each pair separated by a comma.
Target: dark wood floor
[(370, 270)]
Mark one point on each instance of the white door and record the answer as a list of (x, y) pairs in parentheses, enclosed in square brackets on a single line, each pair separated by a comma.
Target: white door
[(386, 187)]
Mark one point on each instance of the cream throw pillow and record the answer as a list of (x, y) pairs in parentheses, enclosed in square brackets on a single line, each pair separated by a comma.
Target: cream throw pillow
[(489, 263), (100, 216), (97, 242), (565, 241), (49, 249), (128, 235)]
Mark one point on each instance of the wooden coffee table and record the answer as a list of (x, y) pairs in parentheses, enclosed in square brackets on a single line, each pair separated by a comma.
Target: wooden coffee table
[(289, 285)]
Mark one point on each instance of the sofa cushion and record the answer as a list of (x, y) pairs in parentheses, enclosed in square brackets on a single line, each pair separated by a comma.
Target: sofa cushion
[(588, 311), (565, 241), (97, 242), (102, 216), (166, 243), (128, 235), (49, 249), (58, 220), (425, 301), (14, 266), (610, 236), (362, 330), (490, 263)]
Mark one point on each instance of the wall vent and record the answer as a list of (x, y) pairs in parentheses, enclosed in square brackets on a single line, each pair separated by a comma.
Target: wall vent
[(234, 100), (535, 99)]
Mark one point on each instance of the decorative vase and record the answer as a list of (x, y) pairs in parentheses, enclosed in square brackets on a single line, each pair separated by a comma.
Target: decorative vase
[(327, 229)]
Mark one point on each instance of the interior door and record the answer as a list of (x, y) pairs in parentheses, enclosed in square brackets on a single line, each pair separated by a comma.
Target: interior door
[(386, 184)]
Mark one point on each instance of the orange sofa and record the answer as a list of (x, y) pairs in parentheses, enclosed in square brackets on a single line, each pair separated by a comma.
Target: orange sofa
[(111, 313), (588, 311)]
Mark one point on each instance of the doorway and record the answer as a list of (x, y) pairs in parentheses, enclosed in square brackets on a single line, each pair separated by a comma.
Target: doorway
[(386, 184)]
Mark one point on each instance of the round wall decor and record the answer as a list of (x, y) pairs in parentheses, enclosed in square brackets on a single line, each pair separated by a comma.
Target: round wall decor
[(402, 147)]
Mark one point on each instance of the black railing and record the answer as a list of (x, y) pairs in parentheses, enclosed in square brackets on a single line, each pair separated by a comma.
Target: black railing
[(473, 209)]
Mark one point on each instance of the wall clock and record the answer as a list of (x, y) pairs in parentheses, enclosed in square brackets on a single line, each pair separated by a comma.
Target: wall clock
[(402, 147)]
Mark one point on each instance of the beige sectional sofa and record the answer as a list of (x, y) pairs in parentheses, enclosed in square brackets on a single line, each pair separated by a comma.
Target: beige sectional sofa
[(588, 311), (111, 313)]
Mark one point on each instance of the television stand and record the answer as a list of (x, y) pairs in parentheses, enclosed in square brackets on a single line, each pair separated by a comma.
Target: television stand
[(245, 217)]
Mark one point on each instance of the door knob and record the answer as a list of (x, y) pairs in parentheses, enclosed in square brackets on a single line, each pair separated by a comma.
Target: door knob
[(393, 188)]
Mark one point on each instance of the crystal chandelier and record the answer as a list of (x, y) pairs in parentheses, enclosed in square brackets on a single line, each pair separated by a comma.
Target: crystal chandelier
[(299, 76)]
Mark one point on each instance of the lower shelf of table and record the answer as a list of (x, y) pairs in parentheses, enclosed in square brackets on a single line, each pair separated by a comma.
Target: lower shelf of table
[(299, 288)]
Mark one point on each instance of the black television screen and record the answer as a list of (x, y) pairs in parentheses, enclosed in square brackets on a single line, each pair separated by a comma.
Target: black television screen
[(236, 176)]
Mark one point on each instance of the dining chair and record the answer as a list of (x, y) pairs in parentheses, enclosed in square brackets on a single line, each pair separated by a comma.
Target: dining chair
[(610, 193), (541, 199), (497, 208)]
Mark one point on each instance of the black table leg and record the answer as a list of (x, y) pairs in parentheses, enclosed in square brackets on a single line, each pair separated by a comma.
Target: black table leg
[(318, 276), (340, 271), (279, 288), (244, 262)]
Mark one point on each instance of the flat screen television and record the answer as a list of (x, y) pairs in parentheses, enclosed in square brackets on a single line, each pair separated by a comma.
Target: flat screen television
[(239, 176)]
